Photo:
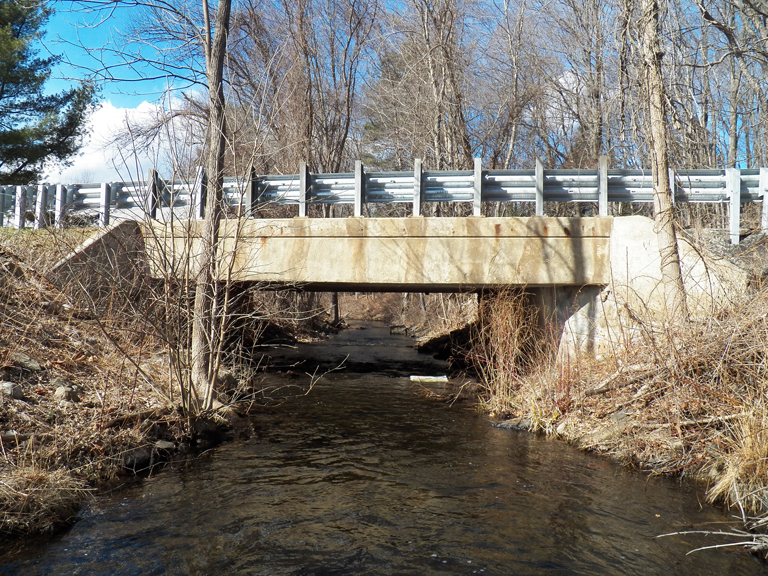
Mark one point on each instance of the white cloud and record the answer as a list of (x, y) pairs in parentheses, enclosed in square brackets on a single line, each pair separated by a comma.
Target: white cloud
[(101, 161)]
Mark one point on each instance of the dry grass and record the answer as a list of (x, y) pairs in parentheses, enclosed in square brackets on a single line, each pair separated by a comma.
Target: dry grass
[(34, 498), (507, 340), (683, 399), (52, 452)]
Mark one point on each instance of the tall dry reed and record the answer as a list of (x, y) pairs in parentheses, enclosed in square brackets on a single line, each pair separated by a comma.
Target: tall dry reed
[(507, 342)]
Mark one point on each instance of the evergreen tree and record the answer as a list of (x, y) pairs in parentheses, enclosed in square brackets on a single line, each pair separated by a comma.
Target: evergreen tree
[(35, 127)]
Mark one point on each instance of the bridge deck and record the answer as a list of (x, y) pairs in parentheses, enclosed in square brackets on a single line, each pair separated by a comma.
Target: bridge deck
[(400, 254)]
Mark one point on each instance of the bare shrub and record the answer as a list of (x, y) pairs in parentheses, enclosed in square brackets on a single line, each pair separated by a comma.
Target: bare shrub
[(433, 314)]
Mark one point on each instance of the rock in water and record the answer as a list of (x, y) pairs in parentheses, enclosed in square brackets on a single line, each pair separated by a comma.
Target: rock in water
[(429, 378), (164, 445), (138, 460)]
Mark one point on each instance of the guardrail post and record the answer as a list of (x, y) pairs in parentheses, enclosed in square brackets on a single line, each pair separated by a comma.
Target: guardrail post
[(418, 187), (539, 187), (764, 194), (477, 203), (104, 200), (61, 201), (153, 193), (252, 190), (73, 191), (200, 192), (672, 185), (359, 188), (602, 186), (305, 181), (21, 207), (733, 182), (41, 202)]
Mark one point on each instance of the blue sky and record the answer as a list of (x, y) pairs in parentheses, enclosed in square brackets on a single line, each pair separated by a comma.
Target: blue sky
[(71, 34)]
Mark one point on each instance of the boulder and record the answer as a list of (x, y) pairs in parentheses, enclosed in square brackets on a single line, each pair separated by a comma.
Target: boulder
[(59, 381), (26, 362), (12, 390), (66, 394)]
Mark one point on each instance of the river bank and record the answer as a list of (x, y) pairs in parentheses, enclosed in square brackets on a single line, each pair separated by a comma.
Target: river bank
[(82, 404), (674, 398)]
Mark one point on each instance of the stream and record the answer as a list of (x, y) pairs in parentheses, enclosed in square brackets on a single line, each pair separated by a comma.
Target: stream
[(366, 474)]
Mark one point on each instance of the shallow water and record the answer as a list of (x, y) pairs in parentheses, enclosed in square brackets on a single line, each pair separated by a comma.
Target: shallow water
[(366, 476)]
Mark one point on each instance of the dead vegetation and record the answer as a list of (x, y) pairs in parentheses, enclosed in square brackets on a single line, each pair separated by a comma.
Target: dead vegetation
[(423, 315), (688, 399), (63, 387), (92, 371)]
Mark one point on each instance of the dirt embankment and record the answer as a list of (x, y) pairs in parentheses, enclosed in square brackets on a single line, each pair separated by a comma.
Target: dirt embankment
[(76, 416), (87, 400)]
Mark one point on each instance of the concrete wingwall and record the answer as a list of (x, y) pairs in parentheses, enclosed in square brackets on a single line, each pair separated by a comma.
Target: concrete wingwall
[(613, 316), (112, 255)]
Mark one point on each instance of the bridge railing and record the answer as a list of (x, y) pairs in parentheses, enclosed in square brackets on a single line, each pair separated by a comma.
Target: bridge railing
[(44, 204)]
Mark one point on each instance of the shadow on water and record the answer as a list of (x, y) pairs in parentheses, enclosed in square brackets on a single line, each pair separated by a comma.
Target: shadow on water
[(364, 476), (365, 347)]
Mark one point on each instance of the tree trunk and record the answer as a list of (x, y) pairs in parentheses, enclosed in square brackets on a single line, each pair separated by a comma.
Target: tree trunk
[(663, 209), (205, 305)]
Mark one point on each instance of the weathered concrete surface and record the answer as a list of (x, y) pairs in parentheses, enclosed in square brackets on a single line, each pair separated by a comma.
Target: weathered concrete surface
[(111, 256), (400, 254), (634, 295)]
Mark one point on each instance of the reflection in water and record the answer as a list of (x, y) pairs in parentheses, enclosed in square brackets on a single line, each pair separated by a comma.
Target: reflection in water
[(363, 476)]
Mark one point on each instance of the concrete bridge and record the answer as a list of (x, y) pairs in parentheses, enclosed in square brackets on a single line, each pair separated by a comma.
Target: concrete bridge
[(591, 276), (413, 254)]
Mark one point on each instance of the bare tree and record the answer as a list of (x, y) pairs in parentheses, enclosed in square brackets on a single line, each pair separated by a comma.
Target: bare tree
[(169, 39), (206, 313), (663, 209)]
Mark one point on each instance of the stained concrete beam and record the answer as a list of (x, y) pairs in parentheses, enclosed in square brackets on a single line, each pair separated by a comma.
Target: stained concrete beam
[(399, 254)]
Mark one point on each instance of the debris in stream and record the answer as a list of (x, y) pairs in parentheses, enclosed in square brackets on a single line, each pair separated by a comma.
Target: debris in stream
[(429, 379)]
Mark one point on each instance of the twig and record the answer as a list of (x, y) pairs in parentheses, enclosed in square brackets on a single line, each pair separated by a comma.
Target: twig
[(638, 372), (687, 423), (125, 419)]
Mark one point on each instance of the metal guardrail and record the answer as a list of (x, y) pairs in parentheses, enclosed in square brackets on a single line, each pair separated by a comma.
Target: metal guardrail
[(137, 200)]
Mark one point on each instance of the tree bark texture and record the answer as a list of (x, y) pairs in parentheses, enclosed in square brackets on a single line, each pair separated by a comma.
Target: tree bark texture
[(663, 209), (205, 306)]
